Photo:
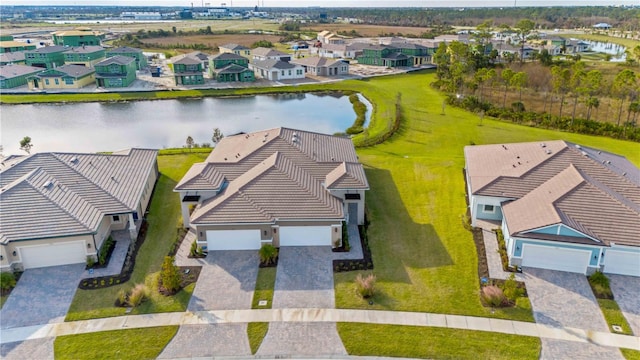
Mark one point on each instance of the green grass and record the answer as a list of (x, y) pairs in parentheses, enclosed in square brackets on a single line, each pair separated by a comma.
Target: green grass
[(145, 343), (265, 283), (435, 343), (630, 354), (613, 316), (163, 217), (3, 299)]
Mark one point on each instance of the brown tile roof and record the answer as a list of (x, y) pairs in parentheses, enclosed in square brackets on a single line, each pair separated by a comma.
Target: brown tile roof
[(591, 191), (281, 172)]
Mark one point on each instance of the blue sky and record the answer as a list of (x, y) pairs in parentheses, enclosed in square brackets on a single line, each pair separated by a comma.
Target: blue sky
[(331, 3)]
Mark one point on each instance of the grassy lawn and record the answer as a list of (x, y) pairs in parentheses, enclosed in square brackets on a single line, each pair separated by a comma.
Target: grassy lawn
[(146, 343), (163, 217), (264, 291), (435, 343), (613, 316), (3, 299), (630, 354)]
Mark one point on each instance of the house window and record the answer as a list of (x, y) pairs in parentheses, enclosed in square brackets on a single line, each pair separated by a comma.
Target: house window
[(116, 218), (282, 72), (299, 72), (489, 209), (57, 82), (68, 81), (289, 72), (46, 81)]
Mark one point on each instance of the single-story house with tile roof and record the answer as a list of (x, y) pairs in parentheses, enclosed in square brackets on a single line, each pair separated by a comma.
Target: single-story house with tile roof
[(262, 53), (12, 58), (58, 208), (275, 70), (14, 75), (63, 77), (235, 49), (322, 66), (561, 206), (280, 186)]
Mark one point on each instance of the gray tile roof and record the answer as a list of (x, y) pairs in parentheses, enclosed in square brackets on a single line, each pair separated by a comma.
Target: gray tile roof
[(12, 57), (125, 49), (273, 64), (234, 47), (262, 51), (270, 175), (594, 192), (84, 49), (48, 49), (118, 59), (233, 69), (14, 70), (186, 60), (75, 71), (227, 56), (80, 189), (317, 62)]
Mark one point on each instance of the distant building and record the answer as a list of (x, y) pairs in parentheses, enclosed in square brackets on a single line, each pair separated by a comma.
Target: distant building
[(275, 70), (63, 77), (116, 71), (141, 60), (387, 56), (262, 53), (84, 55), (8, 46), (603, 26), (12, 58), (322, 66), (141, 15), (187, 70), (226, 67), (78, 37), (235, 49), (13, 75)]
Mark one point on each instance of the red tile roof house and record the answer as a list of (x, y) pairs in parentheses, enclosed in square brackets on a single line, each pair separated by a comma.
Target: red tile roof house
[(561, 206), (58, 208), (281, 186)]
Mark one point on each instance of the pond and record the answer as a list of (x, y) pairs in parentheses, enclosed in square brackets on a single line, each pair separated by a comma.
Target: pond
[(617, 51), (91, 127)]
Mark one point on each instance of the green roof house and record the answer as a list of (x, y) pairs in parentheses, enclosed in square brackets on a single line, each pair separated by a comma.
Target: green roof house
[(78, 37), (13, 75), (84, 55), (187, 70), (46, 57), (116, 71), (141, 60)]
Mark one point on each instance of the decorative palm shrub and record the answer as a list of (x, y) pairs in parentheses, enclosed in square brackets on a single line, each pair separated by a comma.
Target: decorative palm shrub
[(366, 285), (268, 254), (7, 281), (170, 275), (195, 250), (104, 251), (493, 296)]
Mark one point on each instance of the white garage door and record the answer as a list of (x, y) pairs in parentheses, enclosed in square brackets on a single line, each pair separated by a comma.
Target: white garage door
[(305, 236), (555, 258), (233, 239), (53, 254), (622, 262)]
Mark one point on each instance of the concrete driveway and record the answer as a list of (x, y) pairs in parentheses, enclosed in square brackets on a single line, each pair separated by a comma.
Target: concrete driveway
[(227, 281), (626, 292), (565, 299), (304, 280), (42, 296)]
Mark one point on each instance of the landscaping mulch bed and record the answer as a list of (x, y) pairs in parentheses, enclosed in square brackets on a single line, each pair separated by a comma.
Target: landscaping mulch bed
[(129, 264), (366, 263), (106, 263), (189, 274), (272, 264)]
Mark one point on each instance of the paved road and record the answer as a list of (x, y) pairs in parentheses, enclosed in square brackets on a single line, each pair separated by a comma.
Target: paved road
[(626, 292), (304, 280), (42, 296), (227, 281), (563, 299)]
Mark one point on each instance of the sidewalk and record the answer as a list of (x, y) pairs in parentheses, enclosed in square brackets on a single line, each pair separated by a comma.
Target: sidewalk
[(322, 315)]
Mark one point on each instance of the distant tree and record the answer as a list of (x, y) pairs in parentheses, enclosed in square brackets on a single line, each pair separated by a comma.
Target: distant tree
[(545, 57), (173, 28), (625, 85), (262, 43), (560, 81), (441, 58), (519, 81), (593, 83), (578, 85), (524, 28), (507, 75), (190, 142), (26, 145), (217, 136)]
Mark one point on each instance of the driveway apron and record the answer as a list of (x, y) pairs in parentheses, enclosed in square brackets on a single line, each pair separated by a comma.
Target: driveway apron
[(304, 280), (626, 292), (42, 296), (41, 349), (565, 299), (226, 282)]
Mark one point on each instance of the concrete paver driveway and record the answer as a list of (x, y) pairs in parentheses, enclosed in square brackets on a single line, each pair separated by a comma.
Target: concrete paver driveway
[(41, 349), (304, 280), (626, 292), (227, 281), (565, 299), (42, 296)]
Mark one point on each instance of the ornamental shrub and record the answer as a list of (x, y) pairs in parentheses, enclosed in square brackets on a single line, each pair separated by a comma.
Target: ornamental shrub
[(138, 295), (493, 296), (268, 254), (366, 285), (7, 281), (170, 275)]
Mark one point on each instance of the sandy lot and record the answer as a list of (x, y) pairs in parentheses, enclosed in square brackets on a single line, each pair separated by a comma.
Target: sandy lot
[(214, 40), (366, 30)]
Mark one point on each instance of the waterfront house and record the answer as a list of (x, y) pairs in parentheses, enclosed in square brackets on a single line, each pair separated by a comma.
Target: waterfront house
[(186, 70), (46, 57), (235, 49), (14, 75), (58, 208), (561, 206), (322, 66), (84, 55), (276, 70), (141, 60), (63, 77), (221, 60), (226, 67), (384, 55), (339, 51), (116, 71), (78, 37), (282, 187)]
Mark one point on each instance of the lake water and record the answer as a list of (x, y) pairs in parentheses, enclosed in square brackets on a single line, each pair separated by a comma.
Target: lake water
[(91, 127), (617, 51)]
